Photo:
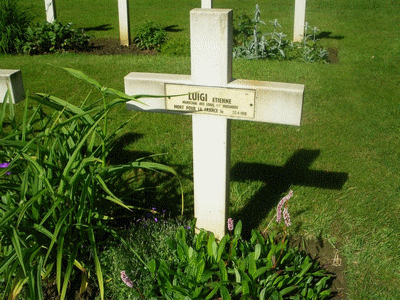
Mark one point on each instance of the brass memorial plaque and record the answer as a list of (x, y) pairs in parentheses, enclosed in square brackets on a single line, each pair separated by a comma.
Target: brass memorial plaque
[(228, 102)]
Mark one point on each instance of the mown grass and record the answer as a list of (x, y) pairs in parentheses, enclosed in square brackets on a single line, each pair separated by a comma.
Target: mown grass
[(349, 132)]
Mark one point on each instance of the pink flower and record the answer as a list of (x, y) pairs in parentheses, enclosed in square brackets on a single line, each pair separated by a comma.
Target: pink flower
[(230, 224), (279, 208), (126, 279), (286, 217)]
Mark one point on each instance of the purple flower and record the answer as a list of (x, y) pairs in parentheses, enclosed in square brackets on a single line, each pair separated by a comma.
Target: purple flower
[(5, 165), (155, 219), (126, 279), (230, 224), (279, 208)]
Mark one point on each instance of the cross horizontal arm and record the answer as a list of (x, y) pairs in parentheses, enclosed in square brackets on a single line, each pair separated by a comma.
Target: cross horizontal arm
[(274, 102)]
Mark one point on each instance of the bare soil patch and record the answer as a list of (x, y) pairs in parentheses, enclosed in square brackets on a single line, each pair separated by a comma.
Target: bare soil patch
[(329, 259)]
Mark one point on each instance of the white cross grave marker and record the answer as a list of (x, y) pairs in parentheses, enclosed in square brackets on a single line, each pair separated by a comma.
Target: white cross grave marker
[(50, 7), (206, 3), (124, 26), (299, 20), (213, 99), (11, 80)]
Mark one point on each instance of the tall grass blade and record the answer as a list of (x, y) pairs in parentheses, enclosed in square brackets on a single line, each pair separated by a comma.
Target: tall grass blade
[(97, 263), (17, 247), (82, 76), (68, 271)]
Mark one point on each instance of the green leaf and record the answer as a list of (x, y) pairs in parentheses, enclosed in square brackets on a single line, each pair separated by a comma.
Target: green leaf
[(238, 229), (222, 268), (252, 265), (97, 265), (68, 270), (221, 247), (262, 293), (276, 296), (225, 293), (305, 268), (82, 76), (211, 240), (200, 269), (152, 266), (257, 251), (57, 229), (17, 247), (287, 290), (260, 271), (214, 291), (215, 249), (237, 275)]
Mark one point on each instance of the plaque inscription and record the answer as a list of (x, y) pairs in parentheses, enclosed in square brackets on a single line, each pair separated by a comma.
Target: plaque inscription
[(228, 102)]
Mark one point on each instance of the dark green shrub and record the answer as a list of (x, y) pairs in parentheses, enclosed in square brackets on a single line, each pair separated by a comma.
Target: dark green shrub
[(14, 20), (243, 30), (150, 36), (55, 37)]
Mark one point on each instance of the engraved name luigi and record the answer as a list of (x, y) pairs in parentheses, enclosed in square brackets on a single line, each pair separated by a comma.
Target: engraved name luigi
[(211, 100)]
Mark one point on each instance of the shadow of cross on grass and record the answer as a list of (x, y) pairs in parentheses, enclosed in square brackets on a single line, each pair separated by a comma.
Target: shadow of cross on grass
[(277, 181)]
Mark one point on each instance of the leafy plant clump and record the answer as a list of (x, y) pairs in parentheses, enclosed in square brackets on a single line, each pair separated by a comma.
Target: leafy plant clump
[(200, 267), (57, 191), (253, 44), (149, 237), (14, 21), (150, 36), (234, 268), (53, 37)]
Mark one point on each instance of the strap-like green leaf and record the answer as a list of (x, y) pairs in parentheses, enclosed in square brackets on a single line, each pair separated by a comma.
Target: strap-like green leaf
[(222, 269), (97, 264), (83, 76), (17, 247), (68, 271)]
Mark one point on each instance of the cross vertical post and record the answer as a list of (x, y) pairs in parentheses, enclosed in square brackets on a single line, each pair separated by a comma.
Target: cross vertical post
[(299, 20), (50, 7), (124, 26), (211, 65), (206, 3)]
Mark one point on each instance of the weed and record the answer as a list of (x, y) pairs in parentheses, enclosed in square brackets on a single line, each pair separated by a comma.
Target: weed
[(150, 36)]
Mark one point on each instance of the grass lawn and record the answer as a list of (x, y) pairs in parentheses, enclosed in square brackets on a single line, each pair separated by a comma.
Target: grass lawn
[(343, 161)]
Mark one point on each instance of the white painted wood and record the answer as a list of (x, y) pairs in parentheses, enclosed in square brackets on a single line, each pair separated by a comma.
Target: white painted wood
[(12, 80), (206, 3), (124, 25), (50, 6), (276, 102), (299, 20), (211, 62)]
